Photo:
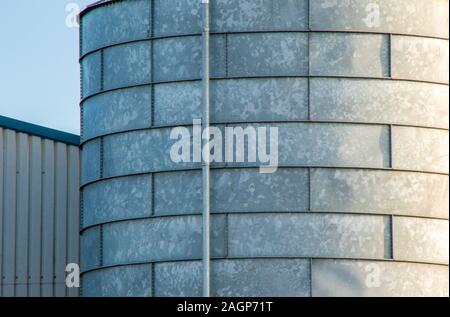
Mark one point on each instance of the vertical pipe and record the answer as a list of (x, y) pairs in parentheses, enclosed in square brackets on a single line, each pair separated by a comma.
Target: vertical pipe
[(206, 154)]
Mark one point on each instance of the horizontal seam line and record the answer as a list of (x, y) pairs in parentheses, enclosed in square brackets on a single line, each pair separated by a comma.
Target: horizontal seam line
[(220, 123), (261, 213), (261, 258), (186, 80), (386, 169), (172, 36)]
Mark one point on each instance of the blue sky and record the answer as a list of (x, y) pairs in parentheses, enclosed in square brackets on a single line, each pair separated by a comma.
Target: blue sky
[(39, 71)]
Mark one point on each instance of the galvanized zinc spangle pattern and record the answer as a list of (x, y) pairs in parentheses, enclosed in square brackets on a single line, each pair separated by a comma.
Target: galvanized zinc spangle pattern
[(359, 92)]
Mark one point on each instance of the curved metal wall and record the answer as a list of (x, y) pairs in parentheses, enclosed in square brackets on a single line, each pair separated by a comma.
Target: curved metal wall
[(362, 112)]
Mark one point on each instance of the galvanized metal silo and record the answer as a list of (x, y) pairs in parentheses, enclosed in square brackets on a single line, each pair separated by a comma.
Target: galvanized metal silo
[(359, 92)]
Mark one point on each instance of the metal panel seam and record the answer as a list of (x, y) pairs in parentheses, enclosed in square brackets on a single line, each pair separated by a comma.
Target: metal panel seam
[(262, 213), (215, 78), (264, 257), (387, 169), (162, 37)]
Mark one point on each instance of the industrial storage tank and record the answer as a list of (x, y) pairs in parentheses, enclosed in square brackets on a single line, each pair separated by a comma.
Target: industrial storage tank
[(358, 90)]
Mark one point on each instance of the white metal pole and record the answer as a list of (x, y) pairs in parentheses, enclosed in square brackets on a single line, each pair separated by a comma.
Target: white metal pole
[(206, 169)]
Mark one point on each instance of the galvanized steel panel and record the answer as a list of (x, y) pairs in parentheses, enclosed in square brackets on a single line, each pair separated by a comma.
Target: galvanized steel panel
[(121, 22), (122, 281), (177, 103), (117, 111), (139, 151), (159, 239), (263, 15), (341, 278), (285, 190), (177, 17), (333, 145), (91, 74), (415, 17), (384, 192), (178, 279), (131, 197), (422, 240), (418, 58), (187, 186), (261, 278), (90, 161), (170, 53), (300, 144), (253, 100), (240, 100), (275, 54), (344, 135), (236, 278), (117, 199), (375, 101), (420, 149), (90, 243), (340, 54), (328, 235), (134, 67)]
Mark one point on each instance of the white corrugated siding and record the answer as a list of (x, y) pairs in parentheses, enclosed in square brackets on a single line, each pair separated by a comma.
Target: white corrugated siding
[(39, 214)]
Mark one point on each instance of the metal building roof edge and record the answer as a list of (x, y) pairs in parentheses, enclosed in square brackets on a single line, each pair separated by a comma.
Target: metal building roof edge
[(40, 131), (95, 5)]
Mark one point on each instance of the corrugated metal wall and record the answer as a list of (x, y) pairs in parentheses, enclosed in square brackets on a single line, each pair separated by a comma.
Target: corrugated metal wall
[(39, 214)]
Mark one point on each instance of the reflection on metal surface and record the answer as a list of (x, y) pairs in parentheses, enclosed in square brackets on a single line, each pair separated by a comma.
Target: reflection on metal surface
[(359, 94)]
